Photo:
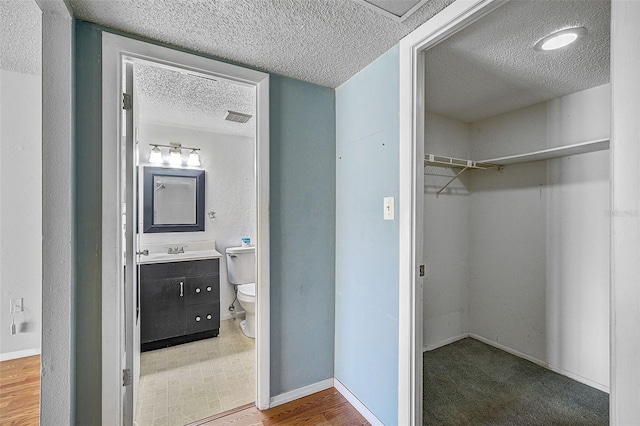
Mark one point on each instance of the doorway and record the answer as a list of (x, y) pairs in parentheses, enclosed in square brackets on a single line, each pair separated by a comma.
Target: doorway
[(412, 184), (119, 350), (196, 361)]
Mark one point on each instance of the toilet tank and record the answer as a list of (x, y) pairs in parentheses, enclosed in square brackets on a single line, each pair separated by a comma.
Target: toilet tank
[(241, 267)]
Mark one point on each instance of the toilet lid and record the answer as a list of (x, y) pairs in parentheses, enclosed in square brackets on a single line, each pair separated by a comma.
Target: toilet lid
[(247, 289)]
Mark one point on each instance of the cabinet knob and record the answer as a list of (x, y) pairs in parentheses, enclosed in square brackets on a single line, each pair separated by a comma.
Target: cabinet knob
[(209, 316), (198, 290), (209, 288), (198, 318)]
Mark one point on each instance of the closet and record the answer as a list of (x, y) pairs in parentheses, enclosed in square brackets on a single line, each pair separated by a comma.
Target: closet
[(517, 196)]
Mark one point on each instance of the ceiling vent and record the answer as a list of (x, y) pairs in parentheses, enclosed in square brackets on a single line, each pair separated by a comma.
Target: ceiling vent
[(237, 117), (398, 10)]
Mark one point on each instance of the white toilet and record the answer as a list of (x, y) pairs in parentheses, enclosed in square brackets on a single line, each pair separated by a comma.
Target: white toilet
[(241, 272)]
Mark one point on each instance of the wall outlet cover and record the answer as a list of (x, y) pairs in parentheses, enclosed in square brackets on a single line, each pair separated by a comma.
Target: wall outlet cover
[(15, 305), (389, 213)]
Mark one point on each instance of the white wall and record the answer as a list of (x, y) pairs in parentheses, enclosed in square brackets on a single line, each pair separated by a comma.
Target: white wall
[(229, 192), (507, 242), (539, 270), (446, 241), (20, 210), (21, 178)]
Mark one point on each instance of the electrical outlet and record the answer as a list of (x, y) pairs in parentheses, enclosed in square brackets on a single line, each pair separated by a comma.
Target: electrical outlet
[(15, 305)]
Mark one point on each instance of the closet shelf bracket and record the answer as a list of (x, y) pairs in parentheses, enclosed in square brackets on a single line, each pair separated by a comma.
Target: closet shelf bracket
[(464, 165)]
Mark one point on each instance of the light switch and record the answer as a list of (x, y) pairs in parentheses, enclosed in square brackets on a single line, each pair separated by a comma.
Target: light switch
[(388, 208)]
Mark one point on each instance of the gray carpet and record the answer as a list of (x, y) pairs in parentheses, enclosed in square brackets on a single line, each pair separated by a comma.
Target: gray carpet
[(471, 383)]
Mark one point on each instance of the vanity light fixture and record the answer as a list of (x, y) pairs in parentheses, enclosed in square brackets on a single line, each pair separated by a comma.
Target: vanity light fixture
[(560, 39), (175, 155), (155, 157), (194, 158)]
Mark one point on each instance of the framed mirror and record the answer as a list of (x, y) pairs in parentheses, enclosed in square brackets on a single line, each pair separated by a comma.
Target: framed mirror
[(173, 200)]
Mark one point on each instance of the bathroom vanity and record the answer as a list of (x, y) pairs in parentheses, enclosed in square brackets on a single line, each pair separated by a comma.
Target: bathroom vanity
[(179, 300)]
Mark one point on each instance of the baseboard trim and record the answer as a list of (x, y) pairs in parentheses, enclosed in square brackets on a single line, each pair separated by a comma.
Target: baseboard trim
[(283, 398), (19, 354), (353, 400), (444, 342), (581, 379), (510, 350), (544, 364)]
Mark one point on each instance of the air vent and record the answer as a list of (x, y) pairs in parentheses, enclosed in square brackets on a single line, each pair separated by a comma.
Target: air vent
[(398, 10), (237, 117)]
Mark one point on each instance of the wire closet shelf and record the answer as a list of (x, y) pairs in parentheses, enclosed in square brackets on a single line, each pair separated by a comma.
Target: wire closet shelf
[(497, 164)]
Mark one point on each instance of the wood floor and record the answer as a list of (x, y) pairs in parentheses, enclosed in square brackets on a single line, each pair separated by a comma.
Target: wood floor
[(20, 391), (326, 408), (20, 404)]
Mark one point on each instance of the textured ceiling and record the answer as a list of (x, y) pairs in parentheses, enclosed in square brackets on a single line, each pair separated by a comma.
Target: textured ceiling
[(491, 67), (319, 41), (21, 40), (168, 97), (488, 68)]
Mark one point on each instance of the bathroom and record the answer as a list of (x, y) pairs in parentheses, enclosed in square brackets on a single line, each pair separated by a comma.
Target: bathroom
[(188, 124)]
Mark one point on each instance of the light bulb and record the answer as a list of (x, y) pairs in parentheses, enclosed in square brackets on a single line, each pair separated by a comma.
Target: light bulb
[(194, 158), (175, 157), (560, 39), (155, 156)]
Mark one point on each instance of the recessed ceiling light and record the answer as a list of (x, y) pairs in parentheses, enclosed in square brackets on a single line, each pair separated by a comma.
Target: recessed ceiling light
[(560, 39)]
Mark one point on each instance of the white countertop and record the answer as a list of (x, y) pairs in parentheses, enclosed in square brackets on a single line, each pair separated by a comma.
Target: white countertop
[(180, 257)]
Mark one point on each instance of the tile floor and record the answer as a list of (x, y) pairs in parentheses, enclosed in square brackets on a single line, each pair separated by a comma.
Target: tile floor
[(195, 380)]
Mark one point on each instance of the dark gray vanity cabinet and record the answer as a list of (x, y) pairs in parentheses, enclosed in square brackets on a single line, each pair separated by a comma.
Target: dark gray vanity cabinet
[(179, 302)]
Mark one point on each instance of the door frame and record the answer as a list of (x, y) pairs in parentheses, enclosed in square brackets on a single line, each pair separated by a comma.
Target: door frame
[(411, 152), (624, 345), (115, 49)]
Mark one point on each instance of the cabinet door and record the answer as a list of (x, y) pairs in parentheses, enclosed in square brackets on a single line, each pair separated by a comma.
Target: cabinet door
[(162, 313)]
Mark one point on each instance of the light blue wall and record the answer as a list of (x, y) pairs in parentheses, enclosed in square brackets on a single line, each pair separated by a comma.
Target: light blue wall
[(302, 232), (302, 213), (366, 338)]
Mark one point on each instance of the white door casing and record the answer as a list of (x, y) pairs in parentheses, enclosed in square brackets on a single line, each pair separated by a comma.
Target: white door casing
[(130, 259), (452, 19), (625, 187), (116, 49)]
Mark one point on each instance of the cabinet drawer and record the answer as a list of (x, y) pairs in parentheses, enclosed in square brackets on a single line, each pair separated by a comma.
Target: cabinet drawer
[(191, 268), (203, 317), (202, 289)]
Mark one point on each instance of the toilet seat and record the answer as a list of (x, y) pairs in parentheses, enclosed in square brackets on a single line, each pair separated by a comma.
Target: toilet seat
[(248, 290)]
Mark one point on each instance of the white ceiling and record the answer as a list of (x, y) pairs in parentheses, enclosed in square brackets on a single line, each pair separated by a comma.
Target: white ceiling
[(21, 40), (491, 67), (304, 39), (486, 69), (319, 41), (166, 96)]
